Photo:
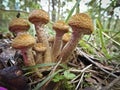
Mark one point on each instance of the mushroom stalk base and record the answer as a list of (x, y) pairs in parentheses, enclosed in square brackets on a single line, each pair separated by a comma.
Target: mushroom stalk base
[(29, 60), (57, 46)]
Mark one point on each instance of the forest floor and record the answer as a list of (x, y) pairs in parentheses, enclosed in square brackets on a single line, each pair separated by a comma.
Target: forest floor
[(81, 72)]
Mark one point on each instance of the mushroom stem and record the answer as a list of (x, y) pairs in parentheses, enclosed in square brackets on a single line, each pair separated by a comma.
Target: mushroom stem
[(39, 32), (28, 57), (29, 60), (39, 58), (23, 52), (57, 45), (70, 46), (42, 38), (60, 28), (32, 62), (40, 49)]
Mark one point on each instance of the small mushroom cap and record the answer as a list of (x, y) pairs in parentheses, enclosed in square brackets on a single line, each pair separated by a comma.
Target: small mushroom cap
[(51, 39), (38, 15), (61, 26), (82, 22), (39, 47), (66, 37), (23, 41), (19, 24)]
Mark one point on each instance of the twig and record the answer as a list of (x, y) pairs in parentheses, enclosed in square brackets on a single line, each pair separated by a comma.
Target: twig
[(112, 71), (87, 57), (35, 82), (83, 70), (73, 80), (112, 84), (14, 11), (80, 81)]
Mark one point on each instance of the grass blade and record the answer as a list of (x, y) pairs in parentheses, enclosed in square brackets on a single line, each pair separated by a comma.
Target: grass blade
[(111, 38), (102, 40), (72, 10), (38, 65)]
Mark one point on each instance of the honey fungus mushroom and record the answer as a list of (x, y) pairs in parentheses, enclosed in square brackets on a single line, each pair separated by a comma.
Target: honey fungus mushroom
[(25, 42), (40, 50), (51, 41), (66, 38), (81, 24), (39, 18), (19, 25), (60, 28)]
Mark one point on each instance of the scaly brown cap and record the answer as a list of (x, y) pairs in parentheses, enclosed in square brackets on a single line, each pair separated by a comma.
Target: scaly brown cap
[(51, 39), (66, 37), (61, 26), (23, 41), (38, 16), (19, 24), (82, 22), (39, 47)]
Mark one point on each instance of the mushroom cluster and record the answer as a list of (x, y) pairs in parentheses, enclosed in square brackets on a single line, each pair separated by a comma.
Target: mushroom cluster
[(81, 24), (48, 50)]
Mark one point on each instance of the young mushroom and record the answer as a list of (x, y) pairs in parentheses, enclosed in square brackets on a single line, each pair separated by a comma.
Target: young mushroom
[(51, 41), (39, 18), (40, 50), (60, 28), (18, 25), (81, 24), (66, 38), (25, 42)]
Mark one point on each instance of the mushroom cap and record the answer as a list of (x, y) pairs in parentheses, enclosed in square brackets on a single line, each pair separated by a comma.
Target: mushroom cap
[(38, 15), (60, 26), (19, 24), (39, 47), (66, 37), (23, 41), (82, 22), (51, 39)]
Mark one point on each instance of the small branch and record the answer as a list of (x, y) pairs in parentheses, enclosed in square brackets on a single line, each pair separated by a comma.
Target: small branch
[(83, 70), (73, 80), (55, 67), (14, 11), (87, 57), (112, 84), (80, 81), (37, 81)]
